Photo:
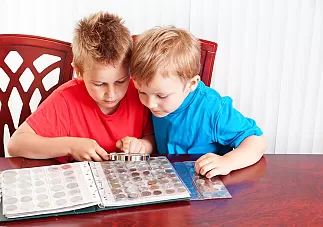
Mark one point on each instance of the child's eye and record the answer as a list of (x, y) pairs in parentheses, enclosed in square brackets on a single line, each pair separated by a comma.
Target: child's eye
[(99, 85), (141, 93), (120, 81), (162, 97)]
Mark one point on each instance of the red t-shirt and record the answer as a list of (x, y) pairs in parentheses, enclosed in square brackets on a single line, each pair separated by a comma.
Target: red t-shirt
[(70, 111)]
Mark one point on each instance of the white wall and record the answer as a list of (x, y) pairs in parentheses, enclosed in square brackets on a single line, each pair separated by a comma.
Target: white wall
[(269, 58)]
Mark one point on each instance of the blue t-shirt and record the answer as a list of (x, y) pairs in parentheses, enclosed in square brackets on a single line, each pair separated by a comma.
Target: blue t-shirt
[(205, 122)]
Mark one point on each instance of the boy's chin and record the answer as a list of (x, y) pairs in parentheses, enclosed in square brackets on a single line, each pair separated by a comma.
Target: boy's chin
[(159, 114)]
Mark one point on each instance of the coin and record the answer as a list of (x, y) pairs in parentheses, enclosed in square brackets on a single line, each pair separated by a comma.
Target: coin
[(145, 193), (157, 192)]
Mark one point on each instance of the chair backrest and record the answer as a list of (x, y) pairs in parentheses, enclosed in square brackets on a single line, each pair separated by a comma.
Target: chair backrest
[(208, 52), (31, 68)]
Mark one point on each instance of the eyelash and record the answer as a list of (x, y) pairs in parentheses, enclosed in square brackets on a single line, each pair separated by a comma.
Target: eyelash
[(164, 97), (117, 82)]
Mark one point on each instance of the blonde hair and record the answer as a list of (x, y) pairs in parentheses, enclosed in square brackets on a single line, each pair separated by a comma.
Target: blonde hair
[(101, 38), (165, 51)]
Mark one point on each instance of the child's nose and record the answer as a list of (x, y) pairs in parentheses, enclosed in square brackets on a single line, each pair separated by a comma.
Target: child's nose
[(110, 92), (151, 103)]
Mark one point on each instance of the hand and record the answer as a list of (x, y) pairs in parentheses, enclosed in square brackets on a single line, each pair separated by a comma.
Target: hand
[(212, 165), (84, 149), (131, 145)]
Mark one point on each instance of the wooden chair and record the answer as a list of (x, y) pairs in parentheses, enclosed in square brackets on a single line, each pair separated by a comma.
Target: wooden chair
[(208, 52), (26, 63)]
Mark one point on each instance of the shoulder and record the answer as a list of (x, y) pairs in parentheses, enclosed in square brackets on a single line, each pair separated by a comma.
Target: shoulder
[(73, 86), (210, 99)]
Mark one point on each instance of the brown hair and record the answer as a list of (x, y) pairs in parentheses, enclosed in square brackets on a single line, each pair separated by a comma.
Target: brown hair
[(101, 38), (166, 51)]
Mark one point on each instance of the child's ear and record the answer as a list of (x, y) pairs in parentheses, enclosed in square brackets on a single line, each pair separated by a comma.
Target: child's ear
[(193, 83), (77, 71)]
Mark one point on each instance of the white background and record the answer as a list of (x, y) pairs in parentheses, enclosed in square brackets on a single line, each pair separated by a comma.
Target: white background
[(269, 58)]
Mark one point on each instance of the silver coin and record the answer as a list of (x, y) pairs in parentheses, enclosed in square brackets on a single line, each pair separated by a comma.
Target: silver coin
[(133, 195), (137, 179)]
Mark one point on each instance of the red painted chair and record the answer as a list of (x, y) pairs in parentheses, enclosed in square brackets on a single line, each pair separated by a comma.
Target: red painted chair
[(27, 65), (208, 51)]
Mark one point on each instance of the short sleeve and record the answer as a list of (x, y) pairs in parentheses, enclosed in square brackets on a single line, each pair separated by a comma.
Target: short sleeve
[(51, 118), (231, 127)]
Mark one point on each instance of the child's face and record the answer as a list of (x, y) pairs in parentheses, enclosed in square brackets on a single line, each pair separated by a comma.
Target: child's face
[(107, 85), (165, 94)]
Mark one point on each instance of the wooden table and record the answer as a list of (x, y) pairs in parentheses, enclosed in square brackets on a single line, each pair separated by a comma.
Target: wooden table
[(279, 190)]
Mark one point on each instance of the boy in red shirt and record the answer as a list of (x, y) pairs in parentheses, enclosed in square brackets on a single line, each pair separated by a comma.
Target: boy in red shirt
[(98, 112)]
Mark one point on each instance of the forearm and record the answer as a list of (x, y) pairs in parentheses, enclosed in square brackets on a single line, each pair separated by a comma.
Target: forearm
[(247, 153), (149, 143), (31, 145)]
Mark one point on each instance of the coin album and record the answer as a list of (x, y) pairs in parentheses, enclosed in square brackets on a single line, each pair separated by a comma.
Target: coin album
[(39, 191)]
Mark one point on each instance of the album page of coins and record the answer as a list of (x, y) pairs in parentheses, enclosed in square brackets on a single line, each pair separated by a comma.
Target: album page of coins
[(200, 187), (48, 189), (142, 182)]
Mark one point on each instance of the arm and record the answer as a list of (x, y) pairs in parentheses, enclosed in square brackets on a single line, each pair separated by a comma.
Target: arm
[(247, 153), (26, 143)]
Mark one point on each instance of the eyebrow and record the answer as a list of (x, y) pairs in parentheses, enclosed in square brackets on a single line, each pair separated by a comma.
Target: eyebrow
[(96, 81)]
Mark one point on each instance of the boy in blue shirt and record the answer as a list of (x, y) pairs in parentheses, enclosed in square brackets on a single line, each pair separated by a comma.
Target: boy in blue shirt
[(189, 117)]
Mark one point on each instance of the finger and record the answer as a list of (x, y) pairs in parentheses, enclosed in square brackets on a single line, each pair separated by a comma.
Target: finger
[(119, 144), (134, 146), (206, 156), (102, 153), (95, 157), (142, 149), (206, 168), (214, 172), (86, 157), (126, 144), (200, 163)]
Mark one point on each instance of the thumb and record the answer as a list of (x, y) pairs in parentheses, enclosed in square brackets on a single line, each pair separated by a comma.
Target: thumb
[(119, 144)]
